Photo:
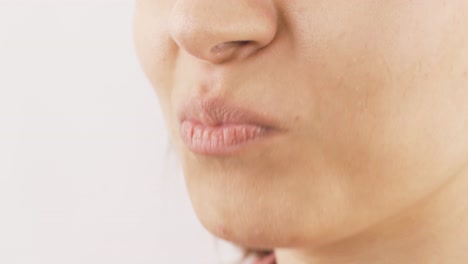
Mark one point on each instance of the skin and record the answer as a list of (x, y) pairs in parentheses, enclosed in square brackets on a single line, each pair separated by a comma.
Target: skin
[(372, 98)]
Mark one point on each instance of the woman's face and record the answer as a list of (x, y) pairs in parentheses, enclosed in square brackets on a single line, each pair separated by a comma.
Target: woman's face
[(367, 101)]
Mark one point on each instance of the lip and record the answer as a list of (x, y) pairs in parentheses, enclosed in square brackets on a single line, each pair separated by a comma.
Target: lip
[(217, 127)]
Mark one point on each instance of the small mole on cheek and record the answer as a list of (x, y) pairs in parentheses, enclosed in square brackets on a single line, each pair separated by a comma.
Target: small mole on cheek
[(296, 119), (221, 231)]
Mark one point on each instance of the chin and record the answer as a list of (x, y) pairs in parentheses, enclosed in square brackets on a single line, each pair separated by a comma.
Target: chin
[(244, 216), (245, 228), (254, 204)]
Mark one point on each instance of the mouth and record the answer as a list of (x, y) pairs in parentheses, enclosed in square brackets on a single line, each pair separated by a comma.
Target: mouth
[(216, 127)]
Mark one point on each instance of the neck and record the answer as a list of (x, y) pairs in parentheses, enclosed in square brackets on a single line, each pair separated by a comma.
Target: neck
[(433, 231)]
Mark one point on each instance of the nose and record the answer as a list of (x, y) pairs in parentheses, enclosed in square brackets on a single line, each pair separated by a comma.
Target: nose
[(218, 31)]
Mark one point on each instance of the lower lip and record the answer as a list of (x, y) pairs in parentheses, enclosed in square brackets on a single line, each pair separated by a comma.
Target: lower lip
[(220, 140)]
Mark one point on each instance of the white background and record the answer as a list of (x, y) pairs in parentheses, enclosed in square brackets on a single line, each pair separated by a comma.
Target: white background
[(86, 172)]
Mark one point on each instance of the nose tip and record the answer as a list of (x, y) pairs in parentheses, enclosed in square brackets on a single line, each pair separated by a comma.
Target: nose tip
[(220, 31)]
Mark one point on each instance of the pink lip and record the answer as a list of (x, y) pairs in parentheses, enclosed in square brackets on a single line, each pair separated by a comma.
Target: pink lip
[(216, 127)]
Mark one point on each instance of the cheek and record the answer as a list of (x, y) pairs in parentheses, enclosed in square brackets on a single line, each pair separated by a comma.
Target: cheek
[(384, 78), (155, 50), (387, 102), (154, 47)]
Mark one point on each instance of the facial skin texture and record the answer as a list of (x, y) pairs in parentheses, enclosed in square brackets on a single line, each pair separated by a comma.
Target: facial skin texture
[(373, 99)]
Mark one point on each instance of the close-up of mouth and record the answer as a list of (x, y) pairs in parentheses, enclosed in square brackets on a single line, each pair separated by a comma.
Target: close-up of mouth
[(215, 127)]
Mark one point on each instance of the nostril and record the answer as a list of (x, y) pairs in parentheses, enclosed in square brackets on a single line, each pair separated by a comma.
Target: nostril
[(222, 31), (228, 45)]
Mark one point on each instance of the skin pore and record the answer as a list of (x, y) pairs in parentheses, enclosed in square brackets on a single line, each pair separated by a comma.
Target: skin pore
[(371, 101)]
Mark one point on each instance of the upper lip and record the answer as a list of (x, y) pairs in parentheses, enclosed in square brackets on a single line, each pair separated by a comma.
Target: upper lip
[(218, 111)]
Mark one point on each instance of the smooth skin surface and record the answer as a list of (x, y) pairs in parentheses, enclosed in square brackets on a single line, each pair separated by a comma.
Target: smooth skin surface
[(372, 97)]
